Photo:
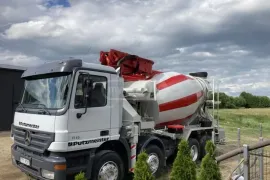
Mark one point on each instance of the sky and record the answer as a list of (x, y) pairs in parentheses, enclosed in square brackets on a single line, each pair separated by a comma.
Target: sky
[(230, 39)]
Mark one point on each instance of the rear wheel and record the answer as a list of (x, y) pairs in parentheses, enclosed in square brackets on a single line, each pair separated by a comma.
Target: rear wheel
[(203, 141), (195, 149), (108, 166), (155, 159)]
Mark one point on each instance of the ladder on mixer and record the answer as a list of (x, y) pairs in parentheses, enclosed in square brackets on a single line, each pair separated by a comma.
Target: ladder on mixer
[(214, 101)]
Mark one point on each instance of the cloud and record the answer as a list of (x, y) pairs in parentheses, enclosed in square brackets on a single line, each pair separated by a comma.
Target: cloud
[(13, 58), (226, 38), (18, 11)]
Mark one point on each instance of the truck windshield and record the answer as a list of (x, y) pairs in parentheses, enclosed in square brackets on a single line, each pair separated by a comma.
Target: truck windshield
[(49, 93)]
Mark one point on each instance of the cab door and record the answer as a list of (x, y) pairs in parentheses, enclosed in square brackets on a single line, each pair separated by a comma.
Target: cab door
[(93, 127)]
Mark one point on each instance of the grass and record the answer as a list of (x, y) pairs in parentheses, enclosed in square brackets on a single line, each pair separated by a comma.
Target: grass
[(248, 120)]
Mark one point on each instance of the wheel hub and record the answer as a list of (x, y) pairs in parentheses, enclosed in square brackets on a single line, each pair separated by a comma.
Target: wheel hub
[(109, 171), (153, 162), (194, 152)]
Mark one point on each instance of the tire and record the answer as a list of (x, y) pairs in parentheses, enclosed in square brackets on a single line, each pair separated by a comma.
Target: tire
[(109, 159), (203, 141), (154, 152), (195, 147)]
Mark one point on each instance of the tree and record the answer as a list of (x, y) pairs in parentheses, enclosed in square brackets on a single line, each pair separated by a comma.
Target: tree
[(245, 99), (264, 101), (224, 100), (230, 103), (209, 168), (239, 101), (251, 101), (80, 176), (183, 167), (142, 170)]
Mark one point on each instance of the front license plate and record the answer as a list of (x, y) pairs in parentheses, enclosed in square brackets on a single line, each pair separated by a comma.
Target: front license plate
[(25, 161)]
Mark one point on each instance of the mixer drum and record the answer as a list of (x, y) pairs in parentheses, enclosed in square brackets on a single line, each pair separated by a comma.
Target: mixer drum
[(178, 97)]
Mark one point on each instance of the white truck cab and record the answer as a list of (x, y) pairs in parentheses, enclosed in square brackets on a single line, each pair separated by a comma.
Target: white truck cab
[(76, 116), (52, 121)]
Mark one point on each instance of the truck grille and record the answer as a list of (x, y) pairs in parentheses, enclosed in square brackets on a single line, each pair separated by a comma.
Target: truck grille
[(35, 141)]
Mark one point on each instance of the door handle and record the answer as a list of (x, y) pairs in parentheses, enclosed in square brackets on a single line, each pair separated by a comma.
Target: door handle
[(104, 133)]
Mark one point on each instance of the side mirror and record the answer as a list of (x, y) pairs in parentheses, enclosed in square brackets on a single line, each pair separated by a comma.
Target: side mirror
[(87, 87)]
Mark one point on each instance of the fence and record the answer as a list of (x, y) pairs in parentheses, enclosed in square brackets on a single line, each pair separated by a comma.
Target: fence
[(253, 160)]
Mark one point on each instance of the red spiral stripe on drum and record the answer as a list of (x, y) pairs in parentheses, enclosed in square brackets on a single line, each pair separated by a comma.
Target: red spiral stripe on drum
[(173, 122), (171, 81), (182, 102)]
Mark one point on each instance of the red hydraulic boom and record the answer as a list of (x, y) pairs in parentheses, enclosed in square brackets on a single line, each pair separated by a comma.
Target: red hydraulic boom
[(133, 67)]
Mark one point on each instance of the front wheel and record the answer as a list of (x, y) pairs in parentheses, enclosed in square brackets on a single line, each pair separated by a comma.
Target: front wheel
[(108, 166)]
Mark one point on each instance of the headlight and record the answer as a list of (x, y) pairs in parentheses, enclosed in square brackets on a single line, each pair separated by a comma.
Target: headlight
[(47, 174)]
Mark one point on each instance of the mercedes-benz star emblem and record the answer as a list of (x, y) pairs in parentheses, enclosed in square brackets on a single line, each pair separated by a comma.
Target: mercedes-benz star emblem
[(27, 138)]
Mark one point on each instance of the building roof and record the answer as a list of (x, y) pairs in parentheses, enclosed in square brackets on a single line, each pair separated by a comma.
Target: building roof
[(12, 67)]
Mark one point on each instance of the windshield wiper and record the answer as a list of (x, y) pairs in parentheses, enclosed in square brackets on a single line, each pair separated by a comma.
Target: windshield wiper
[(45, 109), (23, 108)]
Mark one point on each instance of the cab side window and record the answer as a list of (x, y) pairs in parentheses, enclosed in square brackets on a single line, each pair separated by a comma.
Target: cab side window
[(97, 94)]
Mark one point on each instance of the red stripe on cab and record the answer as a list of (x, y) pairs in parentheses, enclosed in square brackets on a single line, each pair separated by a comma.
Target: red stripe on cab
[(171, 81)]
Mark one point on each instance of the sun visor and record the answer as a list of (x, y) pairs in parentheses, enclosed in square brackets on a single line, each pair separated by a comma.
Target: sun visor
[(53, 67)]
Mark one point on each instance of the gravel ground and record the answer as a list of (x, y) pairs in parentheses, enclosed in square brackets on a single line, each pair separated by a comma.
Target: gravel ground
[(7, 170)]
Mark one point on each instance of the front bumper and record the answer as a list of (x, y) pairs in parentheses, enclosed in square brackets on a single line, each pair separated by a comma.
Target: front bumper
[(37, 163)]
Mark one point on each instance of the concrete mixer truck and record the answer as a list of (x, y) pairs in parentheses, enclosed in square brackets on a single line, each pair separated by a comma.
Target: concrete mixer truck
[(96, 118)]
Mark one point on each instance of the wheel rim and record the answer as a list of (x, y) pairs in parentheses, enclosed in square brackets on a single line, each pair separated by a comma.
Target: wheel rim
[(194, 152), (153, 162), (109, 171)]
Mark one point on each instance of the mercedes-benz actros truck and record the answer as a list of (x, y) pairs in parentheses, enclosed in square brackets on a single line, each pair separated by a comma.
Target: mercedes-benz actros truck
[(76, 117)]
